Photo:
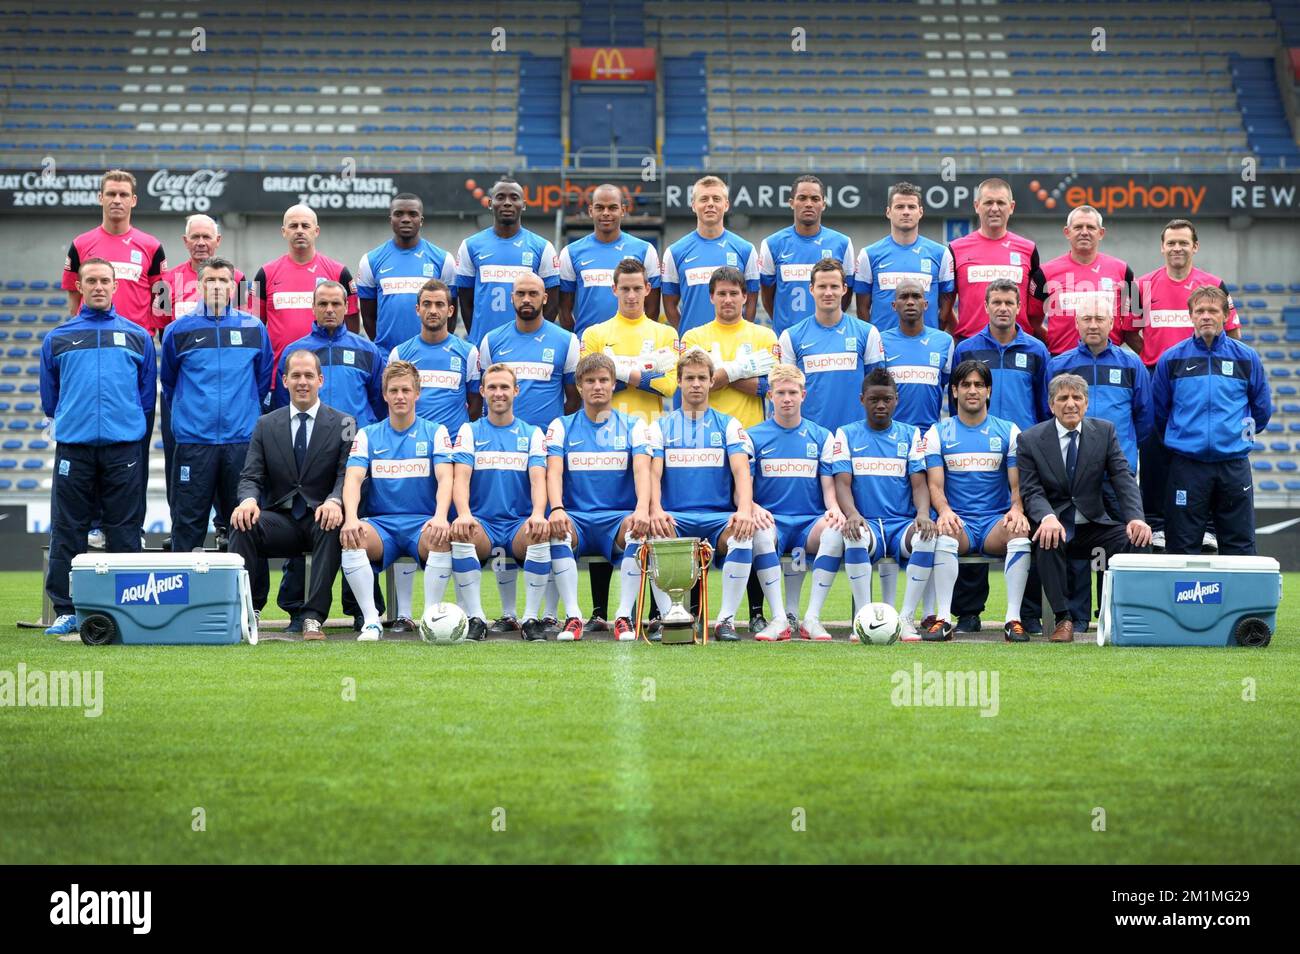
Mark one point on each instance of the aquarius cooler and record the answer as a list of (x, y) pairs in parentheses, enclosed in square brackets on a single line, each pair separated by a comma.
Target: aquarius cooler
[(1167, 600), (163, 599)]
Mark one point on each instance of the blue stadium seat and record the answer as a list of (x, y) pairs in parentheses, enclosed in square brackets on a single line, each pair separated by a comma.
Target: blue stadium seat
[(1270, 485), (28, 484), (1263, 465)]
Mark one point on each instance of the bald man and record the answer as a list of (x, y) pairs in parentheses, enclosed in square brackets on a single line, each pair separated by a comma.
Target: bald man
[(282, 290), (177, 295)]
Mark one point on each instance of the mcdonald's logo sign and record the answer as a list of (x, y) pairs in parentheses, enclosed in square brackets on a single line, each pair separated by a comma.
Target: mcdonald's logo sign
[(612, 63)]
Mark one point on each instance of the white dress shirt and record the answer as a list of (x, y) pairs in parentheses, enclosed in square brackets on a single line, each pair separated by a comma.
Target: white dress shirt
[(295, 423), (1063, 435)]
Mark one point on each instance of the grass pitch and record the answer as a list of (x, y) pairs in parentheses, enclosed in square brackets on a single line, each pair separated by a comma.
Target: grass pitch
[(605, 752)]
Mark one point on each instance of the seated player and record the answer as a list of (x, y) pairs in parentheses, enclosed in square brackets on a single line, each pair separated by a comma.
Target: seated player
[(880, 478), (793, 482), (499, 491), (970, 463), (598, 484), (702, 484), (405, 464)]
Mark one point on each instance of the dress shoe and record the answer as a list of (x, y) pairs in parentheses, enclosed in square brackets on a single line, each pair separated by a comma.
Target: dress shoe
[(970, 623), (1064, 632)]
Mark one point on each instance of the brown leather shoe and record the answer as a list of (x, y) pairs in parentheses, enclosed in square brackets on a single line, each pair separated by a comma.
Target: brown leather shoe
[(1064, 632)]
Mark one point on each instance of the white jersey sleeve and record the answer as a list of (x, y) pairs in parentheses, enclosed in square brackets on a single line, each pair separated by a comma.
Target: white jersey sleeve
[(549, 266), (465, 265), (654, 439), (465, 444), (862, 274), (751, 266), (652, 271), (1011, 445), (472, 370), (916, 453), (738, 439), (536, 444), (850, 262), (947, 362), (840, 447), (766, 267), (830, 447), (567, 273), (393, 356), (449, 270), (365, 274), (947, 272), (640, 436), (668, 269), (484, 355), (571, 359), (875, 353), (555, 438)]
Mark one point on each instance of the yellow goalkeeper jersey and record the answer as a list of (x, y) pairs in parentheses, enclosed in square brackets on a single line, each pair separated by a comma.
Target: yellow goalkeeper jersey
[(726, 343), (631, 339)]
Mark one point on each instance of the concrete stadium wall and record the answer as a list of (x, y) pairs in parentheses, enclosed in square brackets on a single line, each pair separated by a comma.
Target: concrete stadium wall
[(1263, 251)]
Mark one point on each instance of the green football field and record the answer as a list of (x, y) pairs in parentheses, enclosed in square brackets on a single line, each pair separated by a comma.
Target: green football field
[(606, 752)]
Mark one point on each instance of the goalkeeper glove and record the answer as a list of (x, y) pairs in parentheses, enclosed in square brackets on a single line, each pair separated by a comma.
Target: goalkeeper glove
[(751, 366)]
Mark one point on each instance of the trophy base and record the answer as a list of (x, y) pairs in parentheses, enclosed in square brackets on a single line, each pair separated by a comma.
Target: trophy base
[(678, 615), (676, 635)]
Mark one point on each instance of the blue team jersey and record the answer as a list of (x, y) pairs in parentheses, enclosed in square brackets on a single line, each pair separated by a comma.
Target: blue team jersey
[(587, 271), (1119, 391), (598, 459), (881, 463), (544, 361), (785, 260), (393, 277), (834, 361), (691, 261), (696, 454), (975, 462), (920, 365), (1019, 375), (886, 263), (499, 487), (490, 264), (788, 466), (449, 372), (400, 466)]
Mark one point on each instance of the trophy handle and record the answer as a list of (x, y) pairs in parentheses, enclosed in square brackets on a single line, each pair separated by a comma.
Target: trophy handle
[(643, 560), (706, 560)]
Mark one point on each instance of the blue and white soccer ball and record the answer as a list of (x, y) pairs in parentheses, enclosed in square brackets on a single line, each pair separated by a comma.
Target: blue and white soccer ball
[(877, 623), (444, 623)]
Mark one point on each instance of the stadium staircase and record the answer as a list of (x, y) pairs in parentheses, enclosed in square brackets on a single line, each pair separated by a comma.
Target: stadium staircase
[(1267, 128)]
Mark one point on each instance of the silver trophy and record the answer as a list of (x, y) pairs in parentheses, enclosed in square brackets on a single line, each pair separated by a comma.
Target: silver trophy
[(675, 567)]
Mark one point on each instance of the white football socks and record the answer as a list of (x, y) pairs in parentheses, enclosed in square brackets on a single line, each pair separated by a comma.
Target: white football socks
[(469, 578), (361, 577), (537, 576)]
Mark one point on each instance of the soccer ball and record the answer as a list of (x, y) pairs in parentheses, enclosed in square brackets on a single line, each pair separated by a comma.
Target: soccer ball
[(877, 623), (444, 623)]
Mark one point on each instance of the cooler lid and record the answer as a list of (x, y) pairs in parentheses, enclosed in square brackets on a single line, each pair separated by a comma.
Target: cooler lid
[(1189, 561), (156, 561)]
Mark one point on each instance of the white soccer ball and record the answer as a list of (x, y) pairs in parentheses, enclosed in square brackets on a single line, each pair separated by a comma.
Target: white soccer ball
[(877, 623), (444, 623)]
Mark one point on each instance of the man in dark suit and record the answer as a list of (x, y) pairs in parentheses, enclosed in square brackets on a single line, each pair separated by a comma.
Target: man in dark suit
[(291, 489), (1062, 462)]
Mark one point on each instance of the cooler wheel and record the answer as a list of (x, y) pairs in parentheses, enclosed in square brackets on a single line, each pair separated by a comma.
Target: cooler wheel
[(1253, 632), (98, 630)]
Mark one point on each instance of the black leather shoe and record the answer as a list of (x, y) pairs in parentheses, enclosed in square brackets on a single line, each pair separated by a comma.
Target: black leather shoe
[(595, 624), (726, 632), (1034, 627), (477, 629), (534, 630), (294, 627), (970, 623), (504, 626), (550, 626), (358, 622)]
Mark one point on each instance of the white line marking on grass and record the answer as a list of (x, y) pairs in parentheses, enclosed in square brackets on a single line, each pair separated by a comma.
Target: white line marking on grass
[(635, 840)]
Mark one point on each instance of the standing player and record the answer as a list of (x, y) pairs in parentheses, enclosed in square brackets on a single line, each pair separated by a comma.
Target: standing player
[(137, 257), (138, 261), (98, 385), (834, 350), (352, 370), (499, 492), (1164, 296), (216, 366), (691, 261), (489, 263), (1209, 470), (645, 363), (742, 352), (918, 357), (880, 478), (180, 295), (702, 483), (1119, 391), (786, 258), (544, 358), (283, 287), (390, 277), (904, 254), (449, 372), (405, 464), (793, 482), (587, 266), (1082, 275), (970, 461), (993, 253), (598, 480)]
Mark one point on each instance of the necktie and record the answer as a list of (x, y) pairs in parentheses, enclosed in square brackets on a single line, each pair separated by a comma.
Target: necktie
[(1071, 462), (300, 455)]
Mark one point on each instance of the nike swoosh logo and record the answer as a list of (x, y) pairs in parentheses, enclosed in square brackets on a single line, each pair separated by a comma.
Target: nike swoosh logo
[(1190, 367), (691, 259), (79, 341), (483, 255), (504, 351), (1248, 488), (915, 580), (482, 443), (383, 271), (586, 261), (200, 338), (765, 450), (787, 255), (891, 357), (380, 450), (862, 448), (132, 464), (574, 443)]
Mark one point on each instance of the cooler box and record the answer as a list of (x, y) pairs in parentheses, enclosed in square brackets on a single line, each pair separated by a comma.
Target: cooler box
[(163, 599), (1166, 600)]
